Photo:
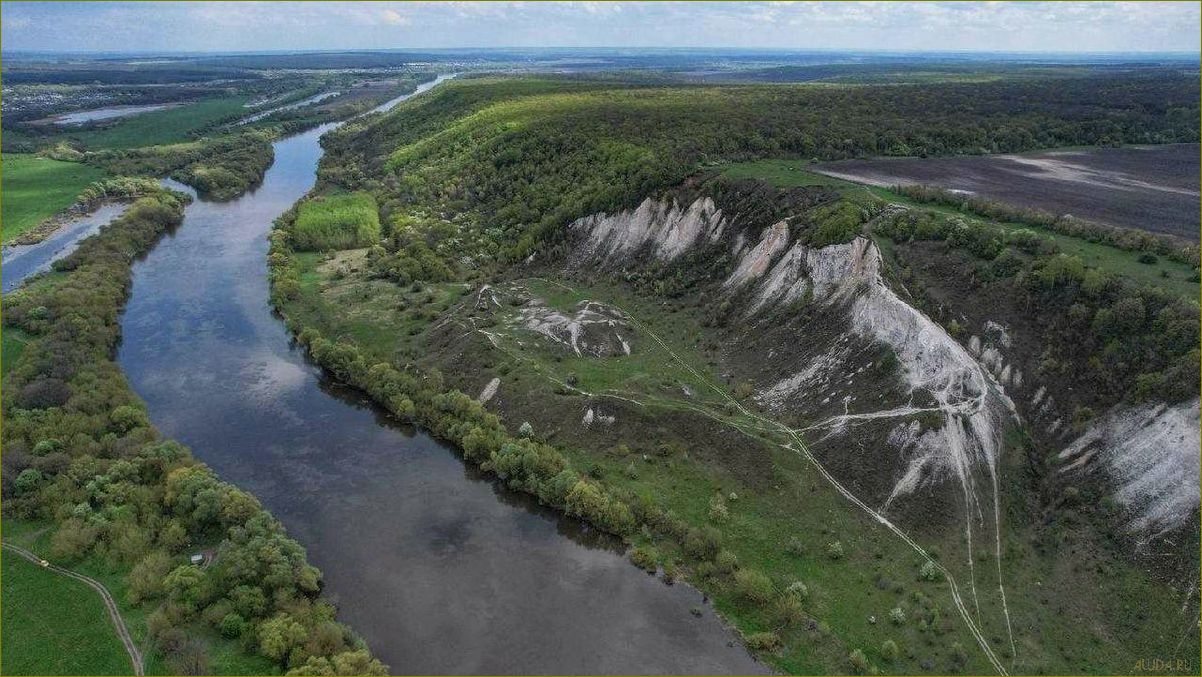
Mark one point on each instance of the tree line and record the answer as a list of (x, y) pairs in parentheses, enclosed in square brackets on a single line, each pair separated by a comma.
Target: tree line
[(80, 451)]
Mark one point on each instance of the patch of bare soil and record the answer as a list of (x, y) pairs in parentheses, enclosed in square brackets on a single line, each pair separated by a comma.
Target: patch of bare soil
[(1152, 188)]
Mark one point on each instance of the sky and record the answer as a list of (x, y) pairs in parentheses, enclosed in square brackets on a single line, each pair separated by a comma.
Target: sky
[(891, 26)]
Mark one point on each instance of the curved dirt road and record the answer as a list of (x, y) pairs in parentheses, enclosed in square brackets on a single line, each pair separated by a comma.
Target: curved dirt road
[(135, 656)]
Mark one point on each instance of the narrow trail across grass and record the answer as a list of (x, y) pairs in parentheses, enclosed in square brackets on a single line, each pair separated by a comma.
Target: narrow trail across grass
[(798, 446), (135, 655)]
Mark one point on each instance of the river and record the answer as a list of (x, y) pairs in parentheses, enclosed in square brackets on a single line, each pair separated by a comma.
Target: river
[(440, 569), (20, 261)]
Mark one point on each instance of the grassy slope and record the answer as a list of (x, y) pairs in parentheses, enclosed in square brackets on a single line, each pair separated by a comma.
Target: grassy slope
[(796, 506), (1172, 275), (36, 188)]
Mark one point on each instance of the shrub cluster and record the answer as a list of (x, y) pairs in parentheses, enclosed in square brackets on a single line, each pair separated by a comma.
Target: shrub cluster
[(1127, 239), (220, 167)]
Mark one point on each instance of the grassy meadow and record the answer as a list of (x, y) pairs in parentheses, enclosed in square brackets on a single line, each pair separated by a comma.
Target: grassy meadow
[(162, 126), (36, 188)]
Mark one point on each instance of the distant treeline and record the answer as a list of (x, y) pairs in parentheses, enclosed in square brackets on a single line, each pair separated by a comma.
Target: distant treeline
[(1127, 239), (303, 118), (80, 451), (522, 157), (122, 75)]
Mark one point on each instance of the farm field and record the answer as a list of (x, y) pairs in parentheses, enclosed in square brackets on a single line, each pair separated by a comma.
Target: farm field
[(55, 625), (36, 188), (1153, 188), (1174, 276)]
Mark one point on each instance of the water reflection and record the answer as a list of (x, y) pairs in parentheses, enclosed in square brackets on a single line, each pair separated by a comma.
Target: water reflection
[(442, 570)]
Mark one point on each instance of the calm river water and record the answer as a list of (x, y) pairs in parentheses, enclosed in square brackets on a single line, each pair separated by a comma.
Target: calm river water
[(441, 570)]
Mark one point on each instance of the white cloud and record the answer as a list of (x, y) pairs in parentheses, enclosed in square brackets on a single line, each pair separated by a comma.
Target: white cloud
[(897, 26), (394, 18)]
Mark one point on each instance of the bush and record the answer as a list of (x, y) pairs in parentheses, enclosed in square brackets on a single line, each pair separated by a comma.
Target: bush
[(28, 480), (897, 615), (798, 590), (753, 585), (834, 550), (789, 610), (762, 641), (929, 572), (718, 511), (644, 558), (889, 651), (859, 662), (726, 561)]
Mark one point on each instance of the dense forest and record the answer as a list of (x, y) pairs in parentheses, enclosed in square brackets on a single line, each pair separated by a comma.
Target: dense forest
[(524, 157)]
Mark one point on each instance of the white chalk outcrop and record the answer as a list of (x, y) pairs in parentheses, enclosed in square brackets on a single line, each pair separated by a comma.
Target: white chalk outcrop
[(663, 225), (975, 406), (1151, 452), (594, 329)]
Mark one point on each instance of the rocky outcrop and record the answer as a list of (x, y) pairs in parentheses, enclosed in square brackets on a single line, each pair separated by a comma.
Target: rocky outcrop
[(1151, 453), (593, 329), (661, 226)]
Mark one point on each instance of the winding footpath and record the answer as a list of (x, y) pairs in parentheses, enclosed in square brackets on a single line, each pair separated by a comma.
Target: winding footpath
[(135, 656)]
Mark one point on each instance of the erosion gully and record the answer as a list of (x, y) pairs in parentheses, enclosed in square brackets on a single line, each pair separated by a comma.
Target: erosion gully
[(441, 569)]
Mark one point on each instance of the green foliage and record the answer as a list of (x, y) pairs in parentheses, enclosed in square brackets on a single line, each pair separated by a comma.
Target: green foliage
[(37, 188), (929, 572), (762, 641), (754, 585), (834, 550), (119, 492), (859, 662), (889, 651), (718, 512), (835, 223), (644, 557), (1148, 244), (522, 157), (337, 222)]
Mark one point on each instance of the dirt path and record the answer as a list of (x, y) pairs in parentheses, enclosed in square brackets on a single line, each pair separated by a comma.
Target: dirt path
[(798, 446), (135, 656)]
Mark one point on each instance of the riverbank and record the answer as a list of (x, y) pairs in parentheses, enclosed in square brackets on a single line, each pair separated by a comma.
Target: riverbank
[(441, 569), (65, 380)]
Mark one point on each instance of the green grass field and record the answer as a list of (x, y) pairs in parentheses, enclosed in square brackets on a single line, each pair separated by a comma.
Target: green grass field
[(54, 625), (1171, 275), (163, 126), (36, 188)]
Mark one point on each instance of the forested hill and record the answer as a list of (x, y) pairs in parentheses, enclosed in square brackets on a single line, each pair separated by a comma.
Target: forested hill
[(489, 147)]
